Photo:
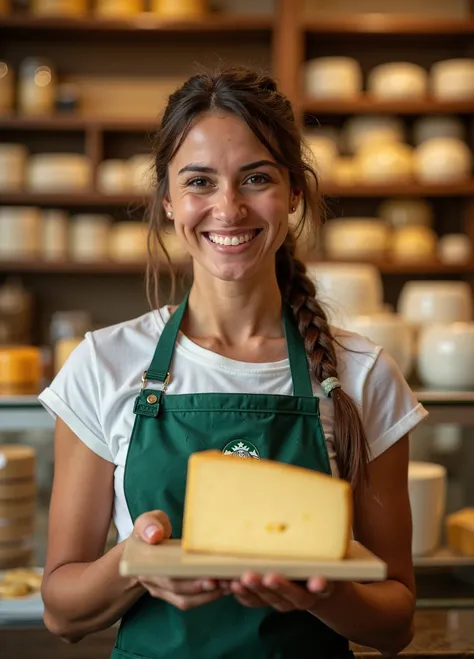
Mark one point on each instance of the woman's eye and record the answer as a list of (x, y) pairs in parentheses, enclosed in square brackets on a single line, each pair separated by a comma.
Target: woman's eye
[(258, 179), (198, 182)]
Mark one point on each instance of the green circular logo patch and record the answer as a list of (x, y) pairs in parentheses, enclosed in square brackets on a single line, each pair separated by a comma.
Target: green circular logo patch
[(241, 449)]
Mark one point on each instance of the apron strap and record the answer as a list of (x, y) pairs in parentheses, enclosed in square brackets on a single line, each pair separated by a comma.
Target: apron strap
[(160, 365)]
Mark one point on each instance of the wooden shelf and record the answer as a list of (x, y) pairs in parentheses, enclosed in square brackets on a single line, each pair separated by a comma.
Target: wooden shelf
[(386, 24), (145, 23), (387, 267), (443, 557), (401, 190), (77, 123), (79, 199), (368, 105)]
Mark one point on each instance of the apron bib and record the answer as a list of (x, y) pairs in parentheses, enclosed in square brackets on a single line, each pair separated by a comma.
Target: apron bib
[(167, 430)]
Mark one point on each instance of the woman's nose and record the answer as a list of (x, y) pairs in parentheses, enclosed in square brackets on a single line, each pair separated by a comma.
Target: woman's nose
[(229, 207)]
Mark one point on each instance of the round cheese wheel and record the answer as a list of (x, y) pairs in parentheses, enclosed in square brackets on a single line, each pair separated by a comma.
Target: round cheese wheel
[(59, 7), (113, 176), (453, 79), (55, 235), (354, 238), (344, 171), (413, 243), (324, 154), (427, 128), (455, 248), (17, 461), (111, 8), (13, 161), (443, 160), (179, 9), (20, 369), (89, 237), (20, 232), (359, 131), (22, 488), (385, 162), (332, 77), (128, 241), (22, 530), (59, 172), (398, 80), (406, 212), (141, 173), (16, 554), (17, 509)]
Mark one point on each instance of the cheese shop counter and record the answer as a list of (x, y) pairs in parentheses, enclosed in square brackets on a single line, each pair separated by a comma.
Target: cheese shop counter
[(446, 633)]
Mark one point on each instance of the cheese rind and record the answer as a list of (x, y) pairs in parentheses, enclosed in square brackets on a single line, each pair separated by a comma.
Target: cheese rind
[(247, 507)]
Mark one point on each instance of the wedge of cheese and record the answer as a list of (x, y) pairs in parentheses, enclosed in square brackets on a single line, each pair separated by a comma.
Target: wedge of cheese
[(460, 531), (248, 507)]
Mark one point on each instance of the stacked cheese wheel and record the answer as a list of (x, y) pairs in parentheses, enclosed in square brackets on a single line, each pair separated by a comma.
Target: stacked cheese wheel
[(17, 505)]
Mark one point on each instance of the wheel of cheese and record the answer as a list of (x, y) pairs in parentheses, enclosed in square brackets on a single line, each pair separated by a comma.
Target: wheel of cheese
[(16, 462), (455, 248), (21, 530), (359, 131), (356, 238), (142, 173), (385, 162), (179, 9), (13, 162), (453, 79), (332, 77), (413, 244), (16, 554), (20, 370), (55, 227), (113, 176), (443, 160), (17, 488), (427, 128), (89, 237), (324, 155), (59, 7), (406, 212), (344, 171), (115, 8), (128, 242), (7, 85), (11, 510), (59, 172), (398, 80), (20, 232)]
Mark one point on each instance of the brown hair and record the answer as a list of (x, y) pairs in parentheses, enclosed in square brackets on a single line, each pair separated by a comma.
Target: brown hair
[(255, 99)]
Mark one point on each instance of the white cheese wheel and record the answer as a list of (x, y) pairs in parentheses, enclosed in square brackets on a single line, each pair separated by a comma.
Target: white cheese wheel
[(113, 176), (358, 131), (413, 244), (59, 7), (426, 128), (455, 249), (356, 238), (141, 173), (398, 80), (332, 77), (128, 242), (89, 237), (55, 235), (385, 162), (179, 9), (344, 171), (13, 162), (453, 79), (115, 8), (20, 232), (58, 172), (442, 160), (406, 212), (7, 87)]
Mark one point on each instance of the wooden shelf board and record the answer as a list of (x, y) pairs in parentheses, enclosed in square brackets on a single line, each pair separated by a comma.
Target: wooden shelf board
[(436, 397), (443, 557), (400, 190), (80, 199), (386, 24), (367, 105), (388, 267), (77, 123), (142, 23)]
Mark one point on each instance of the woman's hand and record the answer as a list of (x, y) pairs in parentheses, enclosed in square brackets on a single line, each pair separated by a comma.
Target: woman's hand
[(154, 527), (253, 590)]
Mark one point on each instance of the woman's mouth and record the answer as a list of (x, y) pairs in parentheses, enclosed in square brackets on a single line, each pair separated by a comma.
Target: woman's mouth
[(232, 241)]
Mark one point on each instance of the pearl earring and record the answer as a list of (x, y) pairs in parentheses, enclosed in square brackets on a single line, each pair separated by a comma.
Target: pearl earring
[(169, 214), (293, 208)]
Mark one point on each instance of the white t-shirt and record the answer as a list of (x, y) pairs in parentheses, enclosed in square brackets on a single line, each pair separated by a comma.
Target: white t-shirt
[(94, 392)]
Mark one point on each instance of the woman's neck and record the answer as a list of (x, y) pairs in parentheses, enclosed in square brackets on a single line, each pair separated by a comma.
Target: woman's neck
[(234, 312)]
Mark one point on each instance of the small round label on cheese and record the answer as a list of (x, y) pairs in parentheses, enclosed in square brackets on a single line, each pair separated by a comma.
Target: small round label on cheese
[(241, 449), (3, 461)]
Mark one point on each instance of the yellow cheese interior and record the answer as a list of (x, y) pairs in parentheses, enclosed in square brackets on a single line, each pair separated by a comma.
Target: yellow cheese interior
[(247, 507), (460, 531)]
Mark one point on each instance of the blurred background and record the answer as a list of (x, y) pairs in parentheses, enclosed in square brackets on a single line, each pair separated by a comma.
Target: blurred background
[(384, 93)]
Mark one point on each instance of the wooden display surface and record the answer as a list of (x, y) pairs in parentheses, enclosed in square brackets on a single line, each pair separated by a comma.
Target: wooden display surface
[(168, 560)]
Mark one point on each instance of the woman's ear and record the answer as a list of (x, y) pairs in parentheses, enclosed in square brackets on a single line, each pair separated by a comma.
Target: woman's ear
[(168, 208), (295, 199)]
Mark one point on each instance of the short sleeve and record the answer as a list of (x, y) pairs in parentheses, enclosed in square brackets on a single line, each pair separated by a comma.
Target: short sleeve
[(390, 410), (74, 396)]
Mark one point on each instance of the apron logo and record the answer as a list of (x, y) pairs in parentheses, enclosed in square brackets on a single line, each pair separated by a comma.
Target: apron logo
[(241, 449)]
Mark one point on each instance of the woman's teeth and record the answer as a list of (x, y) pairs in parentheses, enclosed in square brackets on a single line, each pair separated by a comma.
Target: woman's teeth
[(232, 240)]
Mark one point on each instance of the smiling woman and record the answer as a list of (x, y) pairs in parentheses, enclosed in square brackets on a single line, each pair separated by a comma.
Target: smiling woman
[(246, 365)]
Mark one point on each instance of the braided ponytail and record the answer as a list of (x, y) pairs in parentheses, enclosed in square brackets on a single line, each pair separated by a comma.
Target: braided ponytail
[(299, 291)]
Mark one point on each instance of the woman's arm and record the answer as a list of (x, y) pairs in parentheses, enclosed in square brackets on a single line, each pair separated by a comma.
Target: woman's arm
[(82, 589), (380, 615)]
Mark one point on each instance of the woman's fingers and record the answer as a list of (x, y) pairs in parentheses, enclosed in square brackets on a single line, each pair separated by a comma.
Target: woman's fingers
[(184, 602), (153, 526)]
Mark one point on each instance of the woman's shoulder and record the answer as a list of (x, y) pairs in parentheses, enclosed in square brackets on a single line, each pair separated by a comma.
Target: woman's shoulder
[(355, 352), (130, 333)]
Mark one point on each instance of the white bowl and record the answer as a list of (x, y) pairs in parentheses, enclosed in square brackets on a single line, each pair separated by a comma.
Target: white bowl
[(446, 356), (332, 77), (347, 289), (422, 302), (392, 332), (398, 80), (427, 492), (442, 160)]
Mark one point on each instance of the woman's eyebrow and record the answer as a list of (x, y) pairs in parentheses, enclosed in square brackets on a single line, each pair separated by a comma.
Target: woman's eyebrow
[(203, 169)]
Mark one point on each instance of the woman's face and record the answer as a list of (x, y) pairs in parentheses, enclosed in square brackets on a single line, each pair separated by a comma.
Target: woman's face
[(230, 199)]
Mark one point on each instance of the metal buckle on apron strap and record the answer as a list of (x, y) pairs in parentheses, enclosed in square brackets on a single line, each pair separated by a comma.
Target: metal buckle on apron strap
[(149, 405)]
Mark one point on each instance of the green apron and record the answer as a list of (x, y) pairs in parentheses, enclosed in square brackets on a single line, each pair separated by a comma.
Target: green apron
[(167, 430)]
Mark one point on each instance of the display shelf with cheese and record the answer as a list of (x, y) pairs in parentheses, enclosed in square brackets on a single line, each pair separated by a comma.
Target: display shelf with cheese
[(386, 24), (77, 122), (443, 557), (366, 104)]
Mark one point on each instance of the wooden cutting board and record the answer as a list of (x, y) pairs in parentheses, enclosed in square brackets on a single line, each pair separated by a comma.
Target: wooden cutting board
[(168, 560)]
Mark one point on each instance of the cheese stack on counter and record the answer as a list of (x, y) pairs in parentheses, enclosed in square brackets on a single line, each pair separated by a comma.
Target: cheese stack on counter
[(20, 370), (264, 508), (17, 505), (460, 531)]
